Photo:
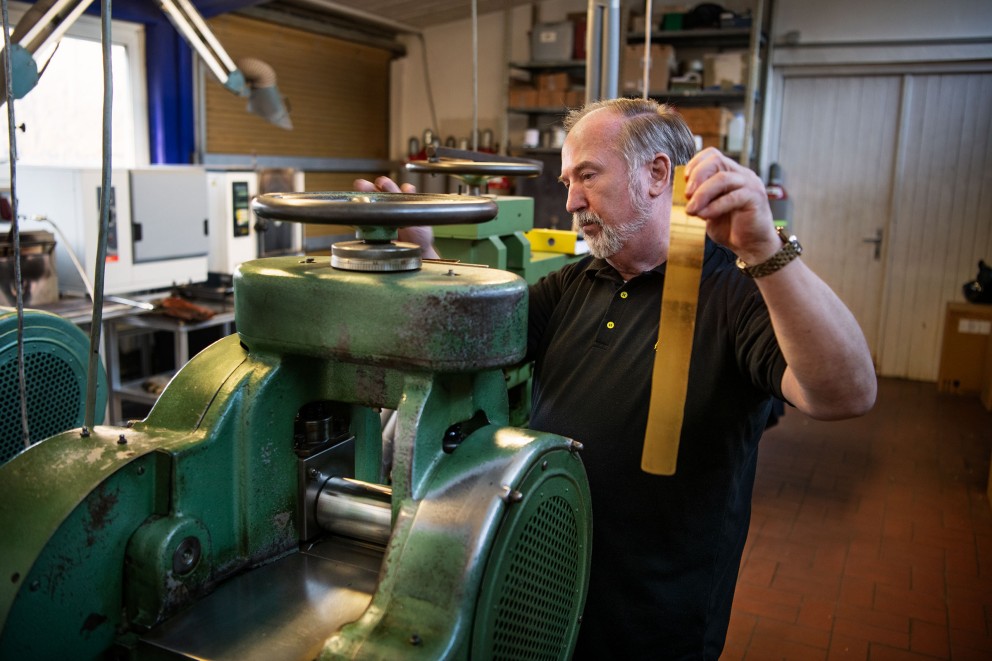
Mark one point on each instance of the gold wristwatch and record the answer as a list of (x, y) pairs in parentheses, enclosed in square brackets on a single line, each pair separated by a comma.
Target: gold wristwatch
[(790, 249)]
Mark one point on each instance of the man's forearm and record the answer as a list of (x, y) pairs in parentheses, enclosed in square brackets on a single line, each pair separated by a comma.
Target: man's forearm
[(830, 373)]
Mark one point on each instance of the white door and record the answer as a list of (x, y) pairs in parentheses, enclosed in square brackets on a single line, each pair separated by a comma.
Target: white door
[(891, 181)]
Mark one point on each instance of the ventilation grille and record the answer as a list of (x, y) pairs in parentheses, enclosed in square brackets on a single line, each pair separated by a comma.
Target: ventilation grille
[(54, 394), (536, 609)]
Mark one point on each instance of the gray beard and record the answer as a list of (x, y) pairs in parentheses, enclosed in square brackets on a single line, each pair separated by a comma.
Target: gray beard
[(610, 239)]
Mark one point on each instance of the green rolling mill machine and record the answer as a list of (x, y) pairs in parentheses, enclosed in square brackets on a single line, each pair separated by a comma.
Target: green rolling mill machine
[(258, 513)]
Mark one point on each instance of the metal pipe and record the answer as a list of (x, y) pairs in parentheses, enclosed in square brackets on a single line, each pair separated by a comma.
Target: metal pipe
[(475, 76), (602, 50), (355, 509), (214, 61), (96, 323), (752, 84), (194, 17), (647, 49), (505, 102), (50, 21), (15, 229)]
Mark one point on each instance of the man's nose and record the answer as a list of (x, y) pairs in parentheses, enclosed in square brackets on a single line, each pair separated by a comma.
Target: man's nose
[(575, 201)]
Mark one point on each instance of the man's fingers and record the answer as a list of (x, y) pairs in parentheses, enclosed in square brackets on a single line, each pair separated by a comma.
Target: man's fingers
[(712, 189), (386, 185), (703, 166), (382, 185)]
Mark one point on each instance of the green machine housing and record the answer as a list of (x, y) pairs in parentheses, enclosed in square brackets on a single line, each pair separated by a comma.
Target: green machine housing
[(256, 513), (502, 243)]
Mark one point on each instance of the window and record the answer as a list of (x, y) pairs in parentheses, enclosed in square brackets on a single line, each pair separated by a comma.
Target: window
[(63, 115)]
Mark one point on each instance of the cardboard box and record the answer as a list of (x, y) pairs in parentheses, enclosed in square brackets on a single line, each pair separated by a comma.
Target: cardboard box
[(552, 98), (523, 96), (707, 121), (575, 98), (661, 63), (725, 70), (552, 42), (555, 81), (964, 349), (712, 141)]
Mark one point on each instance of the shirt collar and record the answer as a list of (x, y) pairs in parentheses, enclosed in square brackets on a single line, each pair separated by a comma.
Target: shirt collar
[(600, 268)]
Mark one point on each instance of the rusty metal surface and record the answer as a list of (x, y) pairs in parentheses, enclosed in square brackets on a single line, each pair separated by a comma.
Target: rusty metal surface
[(443, 318)]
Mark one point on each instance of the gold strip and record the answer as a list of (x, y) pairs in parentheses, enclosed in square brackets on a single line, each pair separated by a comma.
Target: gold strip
[(670, 376)]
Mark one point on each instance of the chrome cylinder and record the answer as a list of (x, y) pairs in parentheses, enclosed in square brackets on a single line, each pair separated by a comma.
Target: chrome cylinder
[(355, 509)]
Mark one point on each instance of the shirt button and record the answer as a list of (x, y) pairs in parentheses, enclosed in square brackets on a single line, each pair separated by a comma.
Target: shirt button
[(610, 324), (623, 294)]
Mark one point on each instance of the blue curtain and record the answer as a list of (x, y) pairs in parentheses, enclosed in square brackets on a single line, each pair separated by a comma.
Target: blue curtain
[(169, 73)]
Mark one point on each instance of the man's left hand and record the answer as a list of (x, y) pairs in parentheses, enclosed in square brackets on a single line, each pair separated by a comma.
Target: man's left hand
[(733, 201)]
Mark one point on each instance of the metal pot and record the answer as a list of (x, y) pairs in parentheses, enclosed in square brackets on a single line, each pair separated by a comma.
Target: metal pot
[(38, 276)]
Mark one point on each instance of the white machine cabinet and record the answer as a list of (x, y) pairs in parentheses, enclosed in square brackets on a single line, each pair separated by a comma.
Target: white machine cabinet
[(157, 231), (232, 224)]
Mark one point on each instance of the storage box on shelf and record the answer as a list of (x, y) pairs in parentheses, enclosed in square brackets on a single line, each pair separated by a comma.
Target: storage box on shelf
[(725, 70), (553, 78), (661, 63), (552, 91), (712, 124), (712, 71), (552, 42)]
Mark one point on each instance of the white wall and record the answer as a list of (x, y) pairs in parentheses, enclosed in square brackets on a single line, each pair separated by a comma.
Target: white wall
[(824, 21)]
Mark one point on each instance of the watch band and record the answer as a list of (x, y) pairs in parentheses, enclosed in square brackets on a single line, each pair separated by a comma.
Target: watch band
[(790, 249)]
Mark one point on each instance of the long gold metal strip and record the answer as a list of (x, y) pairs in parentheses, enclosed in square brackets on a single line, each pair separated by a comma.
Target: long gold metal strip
[(675, 329)]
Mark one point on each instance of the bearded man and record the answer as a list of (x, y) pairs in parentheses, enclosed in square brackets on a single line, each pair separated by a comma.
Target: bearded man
[(667, 549)]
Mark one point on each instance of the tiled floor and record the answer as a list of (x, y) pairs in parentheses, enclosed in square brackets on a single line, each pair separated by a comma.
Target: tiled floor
[(871, 539)]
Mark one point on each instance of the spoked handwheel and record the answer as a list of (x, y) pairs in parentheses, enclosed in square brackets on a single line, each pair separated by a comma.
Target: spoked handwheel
[(376, 217), (471, 169)]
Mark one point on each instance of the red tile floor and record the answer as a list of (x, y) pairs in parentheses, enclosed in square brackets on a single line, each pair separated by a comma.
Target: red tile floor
[(871, 539)]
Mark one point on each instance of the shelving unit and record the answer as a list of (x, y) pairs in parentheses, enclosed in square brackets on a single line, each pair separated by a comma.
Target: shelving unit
[(548, 194), (695, 43), (137, 322), (574, 70), (746, 98)]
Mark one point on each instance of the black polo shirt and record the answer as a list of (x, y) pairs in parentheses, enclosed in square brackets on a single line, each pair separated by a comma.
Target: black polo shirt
[(666, 550)]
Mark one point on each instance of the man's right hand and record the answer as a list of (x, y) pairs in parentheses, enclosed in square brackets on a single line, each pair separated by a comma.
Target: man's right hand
[(421, 236), (382, 185)]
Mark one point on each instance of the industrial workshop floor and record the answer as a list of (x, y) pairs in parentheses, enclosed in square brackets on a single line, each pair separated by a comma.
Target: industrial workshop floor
[(871, 539)]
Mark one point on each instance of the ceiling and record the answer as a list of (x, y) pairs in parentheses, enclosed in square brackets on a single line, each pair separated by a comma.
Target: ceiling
[(413, 13)]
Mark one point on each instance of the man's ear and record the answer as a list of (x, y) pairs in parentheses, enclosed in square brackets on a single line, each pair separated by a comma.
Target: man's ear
[(661, 174)]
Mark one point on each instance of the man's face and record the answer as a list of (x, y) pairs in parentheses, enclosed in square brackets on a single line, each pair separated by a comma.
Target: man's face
[(606, 239), (605, 207)]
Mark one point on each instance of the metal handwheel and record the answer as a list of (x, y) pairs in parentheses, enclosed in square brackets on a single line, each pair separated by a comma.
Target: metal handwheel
[(376, 217), (474, 168)]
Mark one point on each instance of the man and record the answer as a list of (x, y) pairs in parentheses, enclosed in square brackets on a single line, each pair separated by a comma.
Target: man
[(666, 549)]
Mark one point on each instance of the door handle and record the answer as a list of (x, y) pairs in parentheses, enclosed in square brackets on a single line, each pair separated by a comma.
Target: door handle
[(877, 240)]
